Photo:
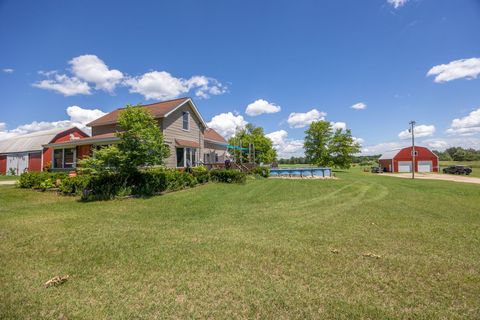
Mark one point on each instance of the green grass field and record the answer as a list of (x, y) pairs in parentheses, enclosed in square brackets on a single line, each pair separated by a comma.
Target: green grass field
[(269, 249), (7, 178)]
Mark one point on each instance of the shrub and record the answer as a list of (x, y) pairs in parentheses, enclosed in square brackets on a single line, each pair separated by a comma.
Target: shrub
[(34, 179), (228, 176), (149, 182), (201, 174), (261, 171), (104, 186), (177, 180), (74, 185)]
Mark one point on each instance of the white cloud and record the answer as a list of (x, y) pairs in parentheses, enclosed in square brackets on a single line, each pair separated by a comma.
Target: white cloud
[(285, 147), (397, 3), (61, 83), (161, 85), (227, 124), (261, 106), (382, 147), (464, 68), (359, 106), (420, 131), (79, 117), (92, 69), (360, 141), (338, 125), (301, 120), (467, 125), (8, 70)]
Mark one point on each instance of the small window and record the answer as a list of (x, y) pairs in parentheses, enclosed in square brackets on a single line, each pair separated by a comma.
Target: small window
[(58, 158), (185, 118), (415, 153)]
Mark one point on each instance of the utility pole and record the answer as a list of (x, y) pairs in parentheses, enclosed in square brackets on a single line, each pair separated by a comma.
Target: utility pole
[(412, 130)]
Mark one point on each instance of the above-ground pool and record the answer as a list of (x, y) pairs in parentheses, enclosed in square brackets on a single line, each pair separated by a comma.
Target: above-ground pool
[(301, 172)]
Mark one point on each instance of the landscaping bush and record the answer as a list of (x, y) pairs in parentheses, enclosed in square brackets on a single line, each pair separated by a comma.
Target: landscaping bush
[(201, 174), (105, 186), (149, 182), (74, 185), (177, 180), (38, 180), (228, 176), (261, 171)]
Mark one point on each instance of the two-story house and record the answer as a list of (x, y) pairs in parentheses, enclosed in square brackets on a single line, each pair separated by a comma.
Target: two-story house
[(185, 132)]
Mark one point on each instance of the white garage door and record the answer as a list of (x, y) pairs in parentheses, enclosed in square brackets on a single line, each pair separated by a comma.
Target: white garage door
[(424, 166), (404, 166), (17, 162)]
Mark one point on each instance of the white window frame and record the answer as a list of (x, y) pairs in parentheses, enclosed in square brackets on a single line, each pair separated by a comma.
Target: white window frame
[(188, 120), (74, 164), (193, 151)]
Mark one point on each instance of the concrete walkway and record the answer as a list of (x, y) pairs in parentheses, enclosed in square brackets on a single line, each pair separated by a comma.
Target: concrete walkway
[(435, 176), (7, 182)]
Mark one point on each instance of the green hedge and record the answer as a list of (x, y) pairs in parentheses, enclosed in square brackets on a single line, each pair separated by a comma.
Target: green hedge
[(261, 171), (228, 176), (147, 182), (40, 180)]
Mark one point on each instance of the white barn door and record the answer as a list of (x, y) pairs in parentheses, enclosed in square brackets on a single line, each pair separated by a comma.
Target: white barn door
[(18, 162), (425, 166), (404, 166)]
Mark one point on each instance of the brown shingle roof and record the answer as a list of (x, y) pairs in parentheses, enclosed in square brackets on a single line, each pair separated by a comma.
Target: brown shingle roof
[(158, 110), (213, 135)]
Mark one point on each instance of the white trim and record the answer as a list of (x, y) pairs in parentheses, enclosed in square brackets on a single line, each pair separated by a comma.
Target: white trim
[(194, 107)]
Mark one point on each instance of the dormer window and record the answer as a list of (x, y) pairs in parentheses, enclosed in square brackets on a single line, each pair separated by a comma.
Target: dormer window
[(185, 118)]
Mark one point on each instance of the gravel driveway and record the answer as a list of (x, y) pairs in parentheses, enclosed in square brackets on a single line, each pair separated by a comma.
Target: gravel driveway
[(435, 176)]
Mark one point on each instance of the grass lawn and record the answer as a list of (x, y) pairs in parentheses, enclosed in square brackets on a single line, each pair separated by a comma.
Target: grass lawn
[(260, 250), (6, 178)]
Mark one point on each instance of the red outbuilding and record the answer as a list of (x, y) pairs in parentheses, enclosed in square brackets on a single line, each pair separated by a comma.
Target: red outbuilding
[(401, 160), (27, 152)]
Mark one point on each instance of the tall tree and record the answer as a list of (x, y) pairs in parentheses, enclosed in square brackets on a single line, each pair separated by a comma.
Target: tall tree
[(141, 140), (316, 143), (326, 147), (264, 151)]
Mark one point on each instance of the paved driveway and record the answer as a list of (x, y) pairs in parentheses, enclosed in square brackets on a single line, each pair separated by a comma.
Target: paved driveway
[(435, 176)]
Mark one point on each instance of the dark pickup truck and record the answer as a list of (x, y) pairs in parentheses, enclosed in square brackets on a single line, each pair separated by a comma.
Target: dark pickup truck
[(457, 170)]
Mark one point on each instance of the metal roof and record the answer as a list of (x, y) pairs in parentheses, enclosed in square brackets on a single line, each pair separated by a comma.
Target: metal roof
[(387, 155), (29, 142)]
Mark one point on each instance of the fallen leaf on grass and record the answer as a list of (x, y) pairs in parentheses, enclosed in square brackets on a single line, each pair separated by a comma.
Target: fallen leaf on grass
[(334, 250), (371, 255), (57, 280)]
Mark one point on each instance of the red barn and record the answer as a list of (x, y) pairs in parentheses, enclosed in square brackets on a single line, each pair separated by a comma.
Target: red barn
[(401, 160), (27, 153)]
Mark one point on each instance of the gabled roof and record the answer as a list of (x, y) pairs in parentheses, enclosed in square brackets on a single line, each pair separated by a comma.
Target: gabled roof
[(31, 142), (212, 135), (100, 138), (157, 110)]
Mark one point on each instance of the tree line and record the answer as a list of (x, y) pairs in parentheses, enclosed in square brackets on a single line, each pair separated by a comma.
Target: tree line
[(458, 154)]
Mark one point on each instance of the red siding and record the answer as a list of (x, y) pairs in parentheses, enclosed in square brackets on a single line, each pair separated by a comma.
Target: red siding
[(61, 137), (83, 151), (424, 154), (3, 164), (35, 161)]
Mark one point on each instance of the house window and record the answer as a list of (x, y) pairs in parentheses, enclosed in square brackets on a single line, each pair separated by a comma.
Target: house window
[(180, 157), (186, 157), (58, 158), (64, 158), (185, 118)]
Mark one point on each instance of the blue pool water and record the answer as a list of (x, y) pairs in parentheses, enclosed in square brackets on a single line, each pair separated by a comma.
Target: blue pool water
[(301, 172)]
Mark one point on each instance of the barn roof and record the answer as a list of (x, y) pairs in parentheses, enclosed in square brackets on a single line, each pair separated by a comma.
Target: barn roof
[(387, 155), (29, 142)]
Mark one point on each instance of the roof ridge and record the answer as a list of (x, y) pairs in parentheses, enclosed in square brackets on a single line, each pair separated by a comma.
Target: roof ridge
[(151, 104)]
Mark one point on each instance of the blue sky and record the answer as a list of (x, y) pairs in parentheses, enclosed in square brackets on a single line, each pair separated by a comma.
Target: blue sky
[(292, 61)]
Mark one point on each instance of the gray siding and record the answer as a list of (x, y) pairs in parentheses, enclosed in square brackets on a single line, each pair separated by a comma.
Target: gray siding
[(108, 128), (173, 129), (211, 148)]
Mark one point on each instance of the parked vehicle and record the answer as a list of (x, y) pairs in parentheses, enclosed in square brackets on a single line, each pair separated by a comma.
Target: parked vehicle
[(376, 169), (457, 170)]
